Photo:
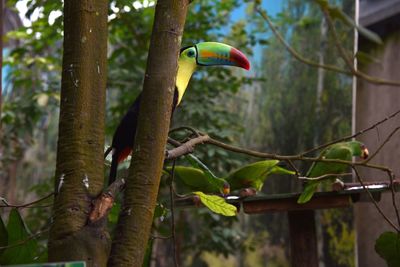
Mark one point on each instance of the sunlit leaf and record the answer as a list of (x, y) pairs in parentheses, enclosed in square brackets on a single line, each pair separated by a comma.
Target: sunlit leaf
[(217, 204)]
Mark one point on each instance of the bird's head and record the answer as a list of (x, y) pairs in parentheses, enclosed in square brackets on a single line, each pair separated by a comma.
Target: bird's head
[(206, 54), (364, 151), (359, 149), (226, 188), (213, 54)]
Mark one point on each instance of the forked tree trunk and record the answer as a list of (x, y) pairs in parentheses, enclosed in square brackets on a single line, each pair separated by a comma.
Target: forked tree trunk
[(140, 195), (79, 170)]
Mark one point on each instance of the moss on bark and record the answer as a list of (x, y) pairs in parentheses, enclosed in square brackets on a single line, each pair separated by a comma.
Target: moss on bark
[(79, 170), (141, 191)]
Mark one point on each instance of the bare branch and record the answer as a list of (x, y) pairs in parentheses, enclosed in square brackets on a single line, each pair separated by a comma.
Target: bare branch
[(26, 240), (348, 60), (382, 144), (103, 204), (185, 148), (341, 50), (26, 205), (171, 196), (392, 189), (293, 52), (373, 200), (374, 126), (324, 177)]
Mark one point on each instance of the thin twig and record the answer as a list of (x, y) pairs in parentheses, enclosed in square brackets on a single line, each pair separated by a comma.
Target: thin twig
[(394, 114), (348, 60), (160, 237), (382, 145), (293, 52), (171, 195), (392, 190), (324, 177), (26, 240), (342, 52), (373, 200), (294, 168), (291, 157), (187, 128), (26, 205)]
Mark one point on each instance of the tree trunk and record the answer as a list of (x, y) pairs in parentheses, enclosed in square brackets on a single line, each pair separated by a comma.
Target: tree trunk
[(1, 56), (2, 174), (140, 196), (320, 82), (79, 169)]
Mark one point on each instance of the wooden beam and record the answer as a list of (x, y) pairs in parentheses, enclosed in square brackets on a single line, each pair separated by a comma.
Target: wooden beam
[(303, 238)]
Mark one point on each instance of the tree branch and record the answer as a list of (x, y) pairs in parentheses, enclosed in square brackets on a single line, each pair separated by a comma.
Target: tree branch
[(26, 205), (103, 204), (341, 50), (373, 200), (142, 184), (349, 61)]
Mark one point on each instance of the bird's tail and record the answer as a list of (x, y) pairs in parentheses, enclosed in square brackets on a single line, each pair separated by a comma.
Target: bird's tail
[(113, 170), (107, 152)]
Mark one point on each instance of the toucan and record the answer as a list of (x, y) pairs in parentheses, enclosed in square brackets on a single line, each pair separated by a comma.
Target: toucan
[(201, 54)]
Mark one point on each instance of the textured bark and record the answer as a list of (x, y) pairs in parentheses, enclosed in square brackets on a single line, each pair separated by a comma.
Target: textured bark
[(136, 217), (1, 56), (2, 178), (79, 170)]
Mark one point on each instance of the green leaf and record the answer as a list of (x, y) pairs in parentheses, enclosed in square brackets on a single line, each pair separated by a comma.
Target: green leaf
[(3, 235), (160, 211), (25, 248), (217, 204), (388, 247)]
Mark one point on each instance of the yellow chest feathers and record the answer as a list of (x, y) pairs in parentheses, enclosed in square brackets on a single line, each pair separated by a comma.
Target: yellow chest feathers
[(185, 71)]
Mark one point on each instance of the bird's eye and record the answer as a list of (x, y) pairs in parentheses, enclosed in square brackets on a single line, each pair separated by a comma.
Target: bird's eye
[(190, 53)]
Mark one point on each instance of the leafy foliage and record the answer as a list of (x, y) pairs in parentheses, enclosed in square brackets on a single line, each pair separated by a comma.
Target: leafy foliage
[(388, 247), (22, 248), (217, 204)]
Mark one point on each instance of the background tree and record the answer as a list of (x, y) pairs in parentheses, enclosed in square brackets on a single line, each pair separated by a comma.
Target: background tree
[(282, 86), (79, 172)]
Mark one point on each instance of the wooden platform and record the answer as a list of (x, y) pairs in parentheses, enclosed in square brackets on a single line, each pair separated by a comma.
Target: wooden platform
[(301, 217)]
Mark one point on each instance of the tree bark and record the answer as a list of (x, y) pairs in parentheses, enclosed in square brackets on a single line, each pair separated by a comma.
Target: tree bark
[(1, 56), (79, 169), (136, 216)]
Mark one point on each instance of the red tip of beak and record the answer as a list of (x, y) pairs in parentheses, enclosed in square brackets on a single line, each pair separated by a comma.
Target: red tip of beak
[(240, 59)]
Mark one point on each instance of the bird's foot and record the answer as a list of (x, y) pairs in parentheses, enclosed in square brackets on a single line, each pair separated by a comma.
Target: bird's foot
[(338, 185)]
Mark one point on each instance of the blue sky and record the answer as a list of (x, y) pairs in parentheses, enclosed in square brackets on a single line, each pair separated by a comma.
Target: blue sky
[(272, 7)]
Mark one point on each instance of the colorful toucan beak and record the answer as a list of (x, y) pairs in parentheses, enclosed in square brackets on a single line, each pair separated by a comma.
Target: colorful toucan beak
[(213, 53)]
